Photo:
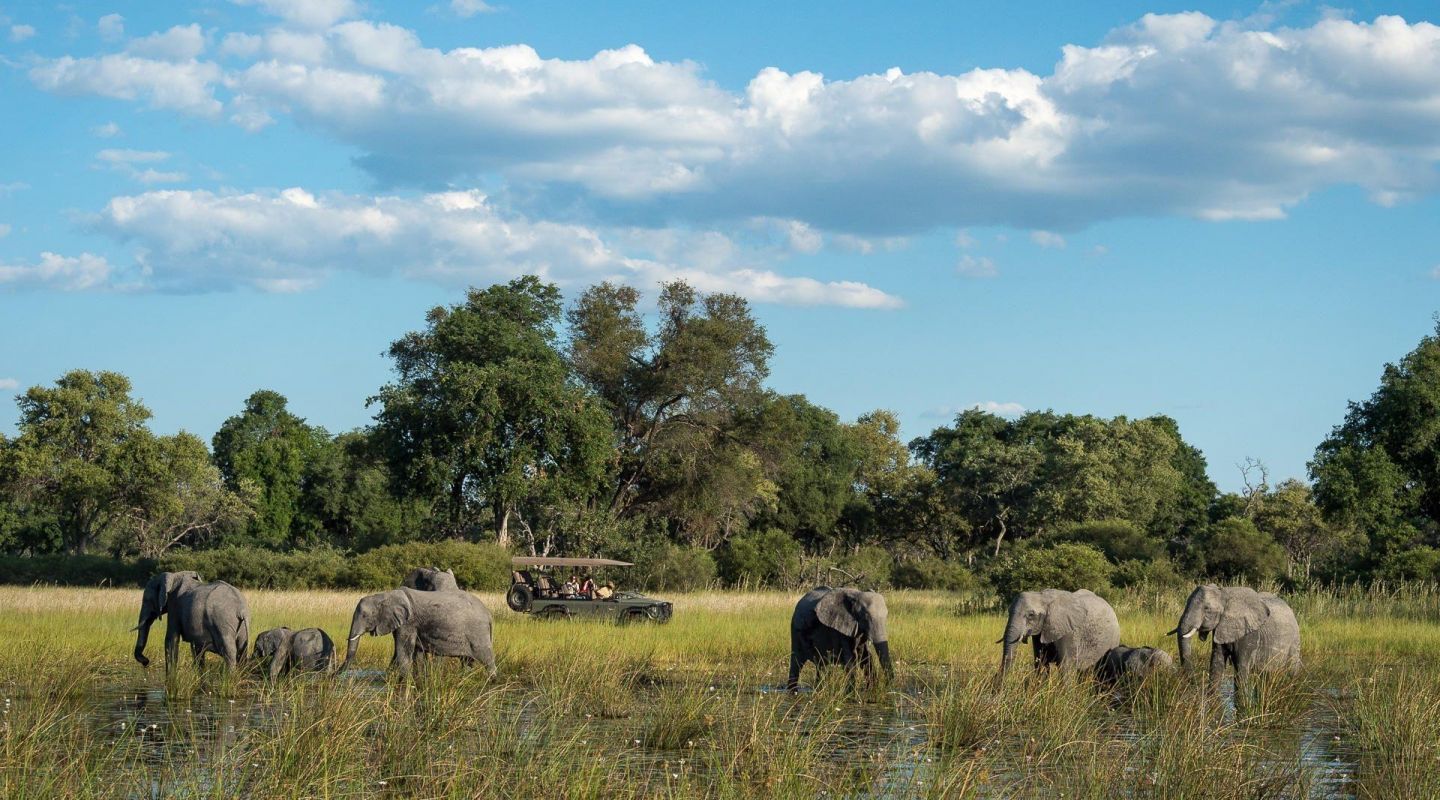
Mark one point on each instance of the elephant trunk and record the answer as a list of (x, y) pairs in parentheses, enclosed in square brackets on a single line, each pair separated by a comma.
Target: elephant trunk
[(882, 651), (1185, 632), (357, 629), (1014, 633), (143, 634)]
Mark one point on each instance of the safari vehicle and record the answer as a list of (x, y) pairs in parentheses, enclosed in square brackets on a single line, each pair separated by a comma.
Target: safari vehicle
[(533, 591)]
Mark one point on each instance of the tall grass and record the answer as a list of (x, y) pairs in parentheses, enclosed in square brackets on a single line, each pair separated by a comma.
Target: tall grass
[(694, 709)]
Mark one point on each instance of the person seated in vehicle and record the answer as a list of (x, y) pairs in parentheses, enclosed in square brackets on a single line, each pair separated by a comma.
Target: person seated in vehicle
[(606, 591), (572, 586), (587, 588)]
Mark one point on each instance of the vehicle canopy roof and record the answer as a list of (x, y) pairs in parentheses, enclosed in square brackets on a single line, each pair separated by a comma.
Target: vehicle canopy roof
[(540, 561)]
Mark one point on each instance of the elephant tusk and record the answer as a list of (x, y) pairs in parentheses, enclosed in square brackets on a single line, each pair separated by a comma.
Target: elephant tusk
[(356, 636), (1188, 635)]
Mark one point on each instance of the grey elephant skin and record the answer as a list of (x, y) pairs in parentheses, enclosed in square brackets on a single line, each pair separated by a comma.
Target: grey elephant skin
[(839, 626), (1250, 631), (1071, 630), (1124, 664), (438, 623), (305, 650), (431, 579), (211, 617)]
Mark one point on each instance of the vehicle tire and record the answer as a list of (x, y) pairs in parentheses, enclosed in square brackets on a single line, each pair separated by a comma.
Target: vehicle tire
[(631, 615), (656, 614), (519, 598), (552, 614)]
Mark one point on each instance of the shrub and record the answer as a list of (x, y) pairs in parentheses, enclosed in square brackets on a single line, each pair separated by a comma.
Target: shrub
[(1118, 539), (1234, 548), (68, 570), (932, 573), (258, 568), (1067, 565), (1416, 564), (678, 569), (871, 565), (1159, 573), (477, 567), (759, 558)]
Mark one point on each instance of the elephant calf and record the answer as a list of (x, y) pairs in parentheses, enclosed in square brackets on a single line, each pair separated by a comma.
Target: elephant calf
[(308, 650), (1124, 663), (838, 626), (1252, 631), (1072, 630)]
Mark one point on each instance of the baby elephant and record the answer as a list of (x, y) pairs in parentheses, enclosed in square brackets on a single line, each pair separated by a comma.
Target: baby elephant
[(1124, 663), (308, 650)]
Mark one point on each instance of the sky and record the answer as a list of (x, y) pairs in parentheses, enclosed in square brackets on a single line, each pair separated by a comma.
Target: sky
[(1224, 213)]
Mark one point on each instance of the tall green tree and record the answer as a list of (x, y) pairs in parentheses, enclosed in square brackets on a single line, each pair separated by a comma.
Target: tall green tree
[(71, 465), (265, 450), (483, 418), (174, 495), (673, 392), (348, 503)]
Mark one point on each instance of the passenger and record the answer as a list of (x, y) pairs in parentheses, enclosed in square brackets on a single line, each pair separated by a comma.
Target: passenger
[(587, 589), (572, 586), (606, 591)]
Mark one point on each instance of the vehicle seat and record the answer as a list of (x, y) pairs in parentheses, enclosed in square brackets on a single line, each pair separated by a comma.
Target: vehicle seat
[(543, 586)]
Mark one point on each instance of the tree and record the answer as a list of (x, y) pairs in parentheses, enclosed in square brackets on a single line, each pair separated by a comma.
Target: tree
[(677, 388), (483, 417), (814, 461), (174, 495), (1234, 548), (72, 462), (265, 450), (1289, 515), (347, 500)]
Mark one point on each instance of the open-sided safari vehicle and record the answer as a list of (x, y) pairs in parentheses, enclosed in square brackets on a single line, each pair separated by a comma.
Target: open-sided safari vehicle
[(533, 591)]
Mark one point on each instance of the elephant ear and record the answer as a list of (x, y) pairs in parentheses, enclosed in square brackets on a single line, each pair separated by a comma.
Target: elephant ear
[(394, 611), (1064, 617), (834, 613), (1245, 611)]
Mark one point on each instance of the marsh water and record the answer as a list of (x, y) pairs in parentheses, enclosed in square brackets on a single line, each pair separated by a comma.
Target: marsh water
[(888, 735)]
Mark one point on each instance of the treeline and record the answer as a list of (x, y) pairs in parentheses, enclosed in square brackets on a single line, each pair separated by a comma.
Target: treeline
[(514, 421)]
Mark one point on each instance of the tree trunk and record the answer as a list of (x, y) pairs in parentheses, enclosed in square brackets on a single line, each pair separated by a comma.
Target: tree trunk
[(502, 533)]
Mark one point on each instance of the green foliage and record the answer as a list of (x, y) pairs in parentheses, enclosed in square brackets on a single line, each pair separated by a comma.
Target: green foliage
[(1120, 540), (759, 558), (676, 568), (1067, 565), (266, 450), (347, 501), (477, 567), (75, 570), (259, 568), (1234, 548), (871, 564), (1416, 564), (932, 573), (1159, 574)]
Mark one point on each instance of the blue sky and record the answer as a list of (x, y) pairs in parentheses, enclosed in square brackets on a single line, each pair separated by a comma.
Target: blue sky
[(1225, 213)]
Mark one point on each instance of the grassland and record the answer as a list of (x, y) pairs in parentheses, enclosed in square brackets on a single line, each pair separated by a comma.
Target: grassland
[(691, 709)]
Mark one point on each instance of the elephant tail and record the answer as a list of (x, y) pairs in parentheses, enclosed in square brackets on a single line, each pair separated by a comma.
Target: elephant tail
[(242, 632)]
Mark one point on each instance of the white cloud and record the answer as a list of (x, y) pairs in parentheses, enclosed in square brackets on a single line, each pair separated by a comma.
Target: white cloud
[(1010, 409), (1099, 250), (12, 187), (4, 230), (107, 131), (294, 239), (8, 384), (306, 13), (1048, 239), (125, 161), (120, 156), (111, 27), (964, 240), (19, 33), (1175, 114), (180, 43), (55, 271), (976, 267), (1435, 272), (469, 8)]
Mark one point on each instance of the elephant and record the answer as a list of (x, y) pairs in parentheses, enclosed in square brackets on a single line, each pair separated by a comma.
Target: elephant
[(210, 616), (310, 650), (1123, 663), (431, 579), (1252, 631), (438, 623), (834, 626), (1073, 630)]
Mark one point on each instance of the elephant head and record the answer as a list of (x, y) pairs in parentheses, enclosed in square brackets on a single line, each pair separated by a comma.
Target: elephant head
[(859, 615), (378, 615), (159, 593), (1050, 615), (431, 579), (1227, 613), (268, 643)]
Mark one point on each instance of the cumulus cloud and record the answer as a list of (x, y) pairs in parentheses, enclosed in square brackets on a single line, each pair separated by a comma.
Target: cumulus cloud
[(1010, 409), (469, 8), (107, 131), (7, 384), (180, 43), (4, 230), (111, 27), (1048, 239), (976, 267), (55, 271), (1175, 114), (127, 161), (293, 240), (19, 33)]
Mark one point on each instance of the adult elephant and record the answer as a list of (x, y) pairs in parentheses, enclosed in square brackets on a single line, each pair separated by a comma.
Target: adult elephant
[(1252, 631), (838, 626), (1072, 630), (438, 623), (431, 579), (308, 650), (210, 616)]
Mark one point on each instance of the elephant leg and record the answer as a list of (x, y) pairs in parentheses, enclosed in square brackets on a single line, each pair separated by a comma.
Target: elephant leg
[(1217, 666), (866, 662), (1242, 678), (404, 650), (798, 651), (485, 654), (229, 652), (172, 643)]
